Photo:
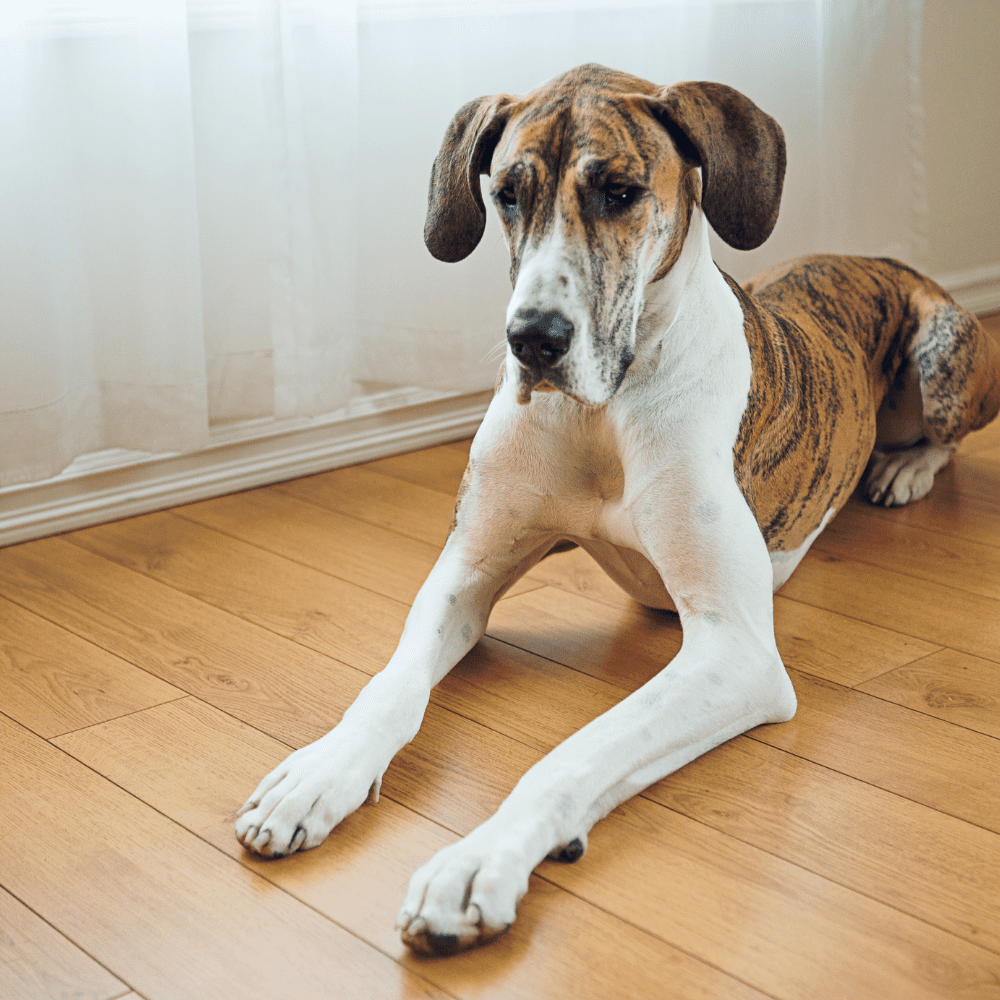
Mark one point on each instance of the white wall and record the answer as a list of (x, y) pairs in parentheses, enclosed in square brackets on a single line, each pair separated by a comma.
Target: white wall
[(961, 92)]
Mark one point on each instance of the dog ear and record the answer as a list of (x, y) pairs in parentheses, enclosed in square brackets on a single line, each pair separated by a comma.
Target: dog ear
[(741, 151), (456, 215)]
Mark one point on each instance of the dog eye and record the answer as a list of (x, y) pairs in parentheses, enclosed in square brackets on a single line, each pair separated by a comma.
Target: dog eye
[(619, 195), (506, 197)]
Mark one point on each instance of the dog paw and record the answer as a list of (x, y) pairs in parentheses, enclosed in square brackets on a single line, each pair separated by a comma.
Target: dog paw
[(466, 895), (297, 805), (900, 477)]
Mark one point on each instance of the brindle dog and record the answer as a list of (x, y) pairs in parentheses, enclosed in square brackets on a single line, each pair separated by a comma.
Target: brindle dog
[(693, 436)]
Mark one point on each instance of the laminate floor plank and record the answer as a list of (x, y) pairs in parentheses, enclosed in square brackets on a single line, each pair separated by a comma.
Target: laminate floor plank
[(623, 646), (283, 689), (464, 445), (974, 476), (186, 760), (252, 673), (356, 551), (837, 648), (344, 547), (927, 555), (922, 609), (530, 699), (959, 883), (164, 910), (968, 518), (328, 615), (938, 764), (949, 685), (414, 511), (436, 468), (985, 440), (941, 869), (53, 682), (445, 768), (38, 963), (789, 932), (850, 852), (630, 675)]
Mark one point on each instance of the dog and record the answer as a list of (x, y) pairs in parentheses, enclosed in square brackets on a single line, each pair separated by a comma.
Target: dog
[(694, 436)]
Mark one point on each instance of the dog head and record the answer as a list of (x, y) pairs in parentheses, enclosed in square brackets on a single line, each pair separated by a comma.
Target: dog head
[(595, 177)]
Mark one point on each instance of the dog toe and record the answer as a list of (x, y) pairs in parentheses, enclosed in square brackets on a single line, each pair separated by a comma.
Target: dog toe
[(465, 896)]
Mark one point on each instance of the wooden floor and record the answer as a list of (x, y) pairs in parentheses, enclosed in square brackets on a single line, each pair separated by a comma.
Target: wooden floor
[(152, 670)]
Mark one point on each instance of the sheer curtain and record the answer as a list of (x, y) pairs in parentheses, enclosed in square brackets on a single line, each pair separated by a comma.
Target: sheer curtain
[(211, 211)]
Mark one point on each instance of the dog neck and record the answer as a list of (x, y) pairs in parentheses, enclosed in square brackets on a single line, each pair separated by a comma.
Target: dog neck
[(690, 316)]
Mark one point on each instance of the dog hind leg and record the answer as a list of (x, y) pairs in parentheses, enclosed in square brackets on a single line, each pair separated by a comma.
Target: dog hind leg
[(947, 384)]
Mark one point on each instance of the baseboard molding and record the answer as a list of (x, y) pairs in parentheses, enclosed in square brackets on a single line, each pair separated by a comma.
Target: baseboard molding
[(977, 289), (240, 457)]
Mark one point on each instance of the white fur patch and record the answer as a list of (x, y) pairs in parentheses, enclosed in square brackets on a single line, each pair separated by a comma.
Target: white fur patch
[(783, 563)]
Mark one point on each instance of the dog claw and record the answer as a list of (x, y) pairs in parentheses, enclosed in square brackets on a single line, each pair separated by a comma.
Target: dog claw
[(571, 852), (443, 944)]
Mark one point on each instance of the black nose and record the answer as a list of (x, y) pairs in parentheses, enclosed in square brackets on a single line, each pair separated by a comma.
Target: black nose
[(539, 339)]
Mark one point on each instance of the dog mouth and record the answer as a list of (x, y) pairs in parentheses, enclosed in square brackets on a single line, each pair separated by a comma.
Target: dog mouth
[(530, 382)]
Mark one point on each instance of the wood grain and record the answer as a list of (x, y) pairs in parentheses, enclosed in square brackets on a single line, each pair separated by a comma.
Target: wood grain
[(38, 963), (352, 550), (935, 867), (782, 927), (53, 682), (165, 910), (919, 608), (409, 510), (947, 768), (974, 476), (438, 468), (623, 646), (314, 609), (850, 852), (949, 685), (927, 555), (845, 650), (944, 766), (360, 553), (284, 688)]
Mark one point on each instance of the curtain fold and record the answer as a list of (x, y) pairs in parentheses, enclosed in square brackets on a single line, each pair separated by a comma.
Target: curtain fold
[(212, 210)]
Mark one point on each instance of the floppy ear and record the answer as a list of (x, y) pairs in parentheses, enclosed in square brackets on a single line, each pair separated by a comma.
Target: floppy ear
[(742, 155), (456, 215)]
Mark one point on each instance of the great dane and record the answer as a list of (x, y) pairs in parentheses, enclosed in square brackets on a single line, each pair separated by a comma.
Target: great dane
[(692, 435)]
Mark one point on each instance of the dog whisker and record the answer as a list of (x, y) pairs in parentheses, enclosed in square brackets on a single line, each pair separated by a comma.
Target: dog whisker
[(495, 352)]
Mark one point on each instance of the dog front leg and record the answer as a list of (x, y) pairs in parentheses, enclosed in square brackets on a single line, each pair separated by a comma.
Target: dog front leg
[(727, 678), (297, 805)]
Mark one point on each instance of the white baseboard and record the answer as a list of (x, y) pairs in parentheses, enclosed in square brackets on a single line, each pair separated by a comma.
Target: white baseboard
[(977, 289), (111, 485)]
